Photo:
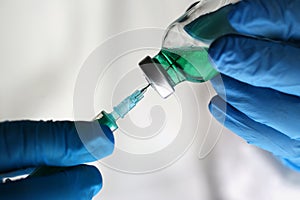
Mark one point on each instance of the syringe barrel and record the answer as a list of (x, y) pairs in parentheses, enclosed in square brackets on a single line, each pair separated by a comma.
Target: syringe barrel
[(127, 104)]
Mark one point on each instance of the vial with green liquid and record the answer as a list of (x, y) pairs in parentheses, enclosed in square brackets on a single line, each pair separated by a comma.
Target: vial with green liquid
[(184, 54)]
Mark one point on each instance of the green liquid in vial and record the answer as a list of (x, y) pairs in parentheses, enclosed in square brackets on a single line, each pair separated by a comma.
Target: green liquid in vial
[(191, 64)]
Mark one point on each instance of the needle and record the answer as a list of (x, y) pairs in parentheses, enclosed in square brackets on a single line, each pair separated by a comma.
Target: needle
[(144, 89)]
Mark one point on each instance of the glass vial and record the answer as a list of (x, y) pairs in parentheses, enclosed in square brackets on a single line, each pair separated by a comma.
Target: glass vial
[(183, 55)]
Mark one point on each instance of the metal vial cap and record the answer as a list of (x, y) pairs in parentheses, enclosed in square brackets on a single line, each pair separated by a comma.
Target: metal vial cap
[(157, 77)]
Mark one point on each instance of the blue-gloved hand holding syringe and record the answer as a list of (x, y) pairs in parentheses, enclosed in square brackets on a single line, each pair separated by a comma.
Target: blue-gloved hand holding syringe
[(57, 152), (27, 144)]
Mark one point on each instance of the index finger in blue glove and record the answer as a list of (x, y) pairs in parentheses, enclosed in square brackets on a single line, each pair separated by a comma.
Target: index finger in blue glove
[(34, 143), (256, 133), (258, 62), (275, 109), (276, 19), (79, 182)]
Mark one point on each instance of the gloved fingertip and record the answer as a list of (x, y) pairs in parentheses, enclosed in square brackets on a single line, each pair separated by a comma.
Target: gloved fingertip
[(95, 179), (245, 14), (97, 140), (232, 51), (217, 108), (108, 133), (219, 83), (290, 164), (216, 52), (77, 182), (87, 179), (210, 24), (234, 16)]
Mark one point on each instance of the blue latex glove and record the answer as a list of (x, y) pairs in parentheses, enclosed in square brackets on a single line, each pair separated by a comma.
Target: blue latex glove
[(261, 76), (25, 144)]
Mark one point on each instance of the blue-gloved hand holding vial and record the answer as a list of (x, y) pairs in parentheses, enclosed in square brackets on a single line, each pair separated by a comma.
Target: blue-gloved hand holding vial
[(259, 66), (250, 52)]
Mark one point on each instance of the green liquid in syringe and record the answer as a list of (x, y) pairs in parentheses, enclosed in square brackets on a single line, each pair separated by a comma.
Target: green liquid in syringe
[(191, 64)]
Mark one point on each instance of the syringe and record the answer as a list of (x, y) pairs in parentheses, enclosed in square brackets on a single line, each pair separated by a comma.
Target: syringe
[(119, 111)]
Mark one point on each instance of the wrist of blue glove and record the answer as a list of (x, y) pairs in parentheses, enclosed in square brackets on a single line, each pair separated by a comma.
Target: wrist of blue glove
[(25, 144), (259, 68)]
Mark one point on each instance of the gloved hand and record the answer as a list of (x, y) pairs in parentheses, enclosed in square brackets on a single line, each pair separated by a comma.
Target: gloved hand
[(261, 76), (26, 144)]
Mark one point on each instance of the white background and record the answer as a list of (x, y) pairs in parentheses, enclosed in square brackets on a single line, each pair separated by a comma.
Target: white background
[(43, 45)]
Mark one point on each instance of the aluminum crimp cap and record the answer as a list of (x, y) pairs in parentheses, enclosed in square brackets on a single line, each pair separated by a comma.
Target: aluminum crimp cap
[(157, 77)]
